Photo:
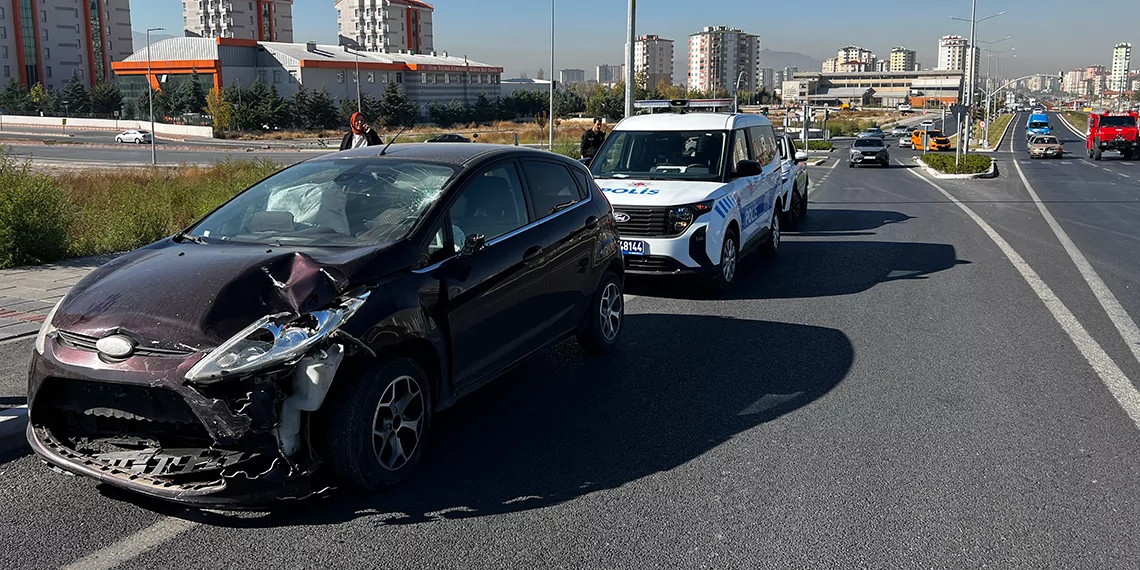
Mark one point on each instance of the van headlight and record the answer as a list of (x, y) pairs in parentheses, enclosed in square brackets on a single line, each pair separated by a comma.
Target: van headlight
[(46, 329), (273, 340), (681, 217)]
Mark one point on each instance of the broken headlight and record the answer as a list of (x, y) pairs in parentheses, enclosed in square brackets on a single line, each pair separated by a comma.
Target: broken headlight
[(273, 340)]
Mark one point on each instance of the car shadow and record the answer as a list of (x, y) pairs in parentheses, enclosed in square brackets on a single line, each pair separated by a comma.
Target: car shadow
[(811, 268), (828, 222), (563, 425)]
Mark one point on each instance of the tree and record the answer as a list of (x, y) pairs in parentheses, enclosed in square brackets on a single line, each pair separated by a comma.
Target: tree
[(666, 91), (396, 110), (75, 95), (296, 107), (130, 110), (480, 111), (321, 111), (106, 98), (40, 100), (567, 103), (369, 105), (195, 95), (14, 98), (220, 109), (276, 110)]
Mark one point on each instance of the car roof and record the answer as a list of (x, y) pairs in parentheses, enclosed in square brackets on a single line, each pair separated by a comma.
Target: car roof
[(1038, 116), (457, 153), (690, 122)]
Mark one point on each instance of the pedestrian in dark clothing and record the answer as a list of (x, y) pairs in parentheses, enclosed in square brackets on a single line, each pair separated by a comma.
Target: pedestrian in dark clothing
[(360, 134), (592, 140)]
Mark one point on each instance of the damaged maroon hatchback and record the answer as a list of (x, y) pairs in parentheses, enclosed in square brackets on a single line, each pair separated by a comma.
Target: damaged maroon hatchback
[(303, 334)]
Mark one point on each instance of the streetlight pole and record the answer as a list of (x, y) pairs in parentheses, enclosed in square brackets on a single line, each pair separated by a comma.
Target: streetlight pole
[(630, 38), (150, 96), (358, 104), (736, 93), (971, 81), (550, 118)]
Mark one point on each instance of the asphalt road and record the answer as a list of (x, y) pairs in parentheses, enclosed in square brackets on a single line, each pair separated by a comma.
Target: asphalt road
[(891, 392)]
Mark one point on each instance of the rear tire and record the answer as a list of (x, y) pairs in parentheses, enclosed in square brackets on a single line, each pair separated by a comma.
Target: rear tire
[(604, 316), (371, 419), (772, 247)]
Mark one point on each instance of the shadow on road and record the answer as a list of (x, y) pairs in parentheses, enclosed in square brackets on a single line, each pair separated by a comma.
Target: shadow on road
[(817, 269), (826, 222), (564, 425)]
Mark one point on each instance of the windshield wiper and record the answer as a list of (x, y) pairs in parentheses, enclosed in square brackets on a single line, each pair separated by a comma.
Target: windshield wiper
[(187, 236)]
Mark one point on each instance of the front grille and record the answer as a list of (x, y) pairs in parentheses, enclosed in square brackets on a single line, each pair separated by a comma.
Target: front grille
[(87, 343), (653, 264), (644, 222)]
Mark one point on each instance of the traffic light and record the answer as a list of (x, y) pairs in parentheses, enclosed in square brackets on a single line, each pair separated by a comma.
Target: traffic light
[(765, 111)]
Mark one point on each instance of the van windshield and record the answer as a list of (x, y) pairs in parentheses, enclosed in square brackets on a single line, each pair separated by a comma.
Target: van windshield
[(662, 155), (1038, 125)]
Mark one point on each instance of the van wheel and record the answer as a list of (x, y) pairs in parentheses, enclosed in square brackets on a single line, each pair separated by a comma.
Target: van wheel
[(374, 425), (604, 316), (725, 275)]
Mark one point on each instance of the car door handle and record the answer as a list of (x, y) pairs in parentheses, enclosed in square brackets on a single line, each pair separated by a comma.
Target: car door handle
[(591, 222), (532, 253)]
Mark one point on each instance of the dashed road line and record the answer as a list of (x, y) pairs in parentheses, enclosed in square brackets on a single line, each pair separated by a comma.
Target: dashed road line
[(1110, 374), (133, 546)]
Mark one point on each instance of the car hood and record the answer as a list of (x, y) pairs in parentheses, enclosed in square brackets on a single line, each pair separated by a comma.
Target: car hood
[(191, 296), (628, 191)]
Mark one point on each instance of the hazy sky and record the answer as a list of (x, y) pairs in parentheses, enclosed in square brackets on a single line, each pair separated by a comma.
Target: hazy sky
[(1048, 35)]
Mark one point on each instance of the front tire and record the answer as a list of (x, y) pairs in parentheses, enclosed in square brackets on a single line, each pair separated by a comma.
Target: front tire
[(1096, 151), (375, 424), (726, 270), (604, 317)]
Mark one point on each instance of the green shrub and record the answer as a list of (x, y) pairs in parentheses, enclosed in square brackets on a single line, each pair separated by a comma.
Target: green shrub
[(35, 216), (970, 164), (814, 145), (44, 218)]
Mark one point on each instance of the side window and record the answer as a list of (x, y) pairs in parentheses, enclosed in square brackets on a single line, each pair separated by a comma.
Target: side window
[(739, 147), (491, 204), (551, 187), (437, 249), (583, 183), (765, 145)]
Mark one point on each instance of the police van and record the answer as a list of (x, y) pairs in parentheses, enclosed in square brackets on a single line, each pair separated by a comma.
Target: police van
[(693, 192)]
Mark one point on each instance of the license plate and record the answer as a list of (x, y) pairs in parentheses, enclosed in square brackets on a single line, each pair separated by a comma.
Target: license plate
[(634, 247)]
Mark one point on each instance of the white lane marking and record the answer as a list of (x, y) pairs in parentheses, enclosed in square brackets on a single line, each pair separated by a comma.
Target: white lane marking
[(1065, 162), (834, 165), (1110, 374), (1120, 318), (14, 414), (1070, 126), (134, 545)]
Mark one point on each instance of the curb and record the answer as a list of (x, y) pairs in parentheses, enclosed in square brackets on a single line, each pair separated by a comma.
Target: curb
[(13, 424), (991, 173)]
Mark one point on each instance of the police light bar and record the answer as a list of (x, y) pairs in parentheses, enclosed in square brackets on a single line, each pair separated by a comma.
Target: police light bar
[(682, 103)]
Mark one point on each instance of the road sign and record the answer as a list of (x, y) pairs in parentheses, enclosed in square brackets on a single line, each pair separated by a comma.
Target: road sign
[(64, 122), (959, 109)]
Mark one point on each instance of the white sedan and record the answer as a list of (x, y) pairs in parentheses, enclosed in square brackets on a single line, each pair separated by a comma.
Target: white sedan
[(137, 137)]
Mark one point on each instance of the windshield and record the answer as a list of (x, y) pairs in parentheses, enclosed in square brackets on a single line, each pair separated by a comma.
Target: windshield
[(662, 155), (1038, 125), (1121, 121), (873, 143), (330, 203)]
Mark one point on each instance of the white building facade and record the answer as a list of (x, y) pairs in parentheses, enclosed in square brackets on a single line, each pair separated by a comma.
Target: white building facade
[(258, 20), (387, 26), (1121, 61), (56, 39), (653, 56), (718, 55)]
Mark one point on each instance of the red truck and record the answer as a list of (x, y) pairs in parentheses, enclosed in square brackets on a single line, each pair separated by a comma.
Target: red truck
[(1113, 131)]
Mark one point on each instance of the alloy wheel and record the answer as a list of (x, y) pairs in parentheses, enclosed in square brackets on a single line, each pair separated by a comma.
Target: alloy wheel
[(728, 259), (611, 311), (398, 422), (775, 233)]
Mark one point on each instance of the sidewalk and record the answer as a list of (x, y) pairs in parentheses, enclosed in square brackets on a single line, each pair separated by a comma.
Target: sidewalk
[(27, 294)]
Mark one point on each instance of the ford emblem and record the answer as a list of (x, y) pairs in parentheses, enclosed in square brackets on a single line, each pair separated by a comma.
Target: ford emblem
[(115, 346), (621, 217)]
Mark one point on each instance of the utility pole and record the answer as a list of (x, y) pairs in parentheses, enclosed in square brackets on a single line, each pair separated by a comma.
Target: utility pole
[(358, 106), (550, 117), (973, 77), (150, 97), (630, 38)]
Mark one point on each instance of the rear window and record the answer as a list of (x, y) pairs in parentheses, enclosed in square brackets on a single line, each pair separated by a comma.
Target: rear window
[(1121, 121)]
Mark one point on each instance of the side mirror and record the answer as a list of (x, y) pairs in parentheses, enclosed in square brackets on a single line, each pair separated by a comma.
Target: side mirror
[(801, 156), (586, 161), (473, 244), (748, 168)]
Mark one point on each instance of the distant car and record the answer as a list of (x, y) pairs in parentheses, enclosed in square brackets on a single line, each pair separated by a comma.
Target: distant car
[(867, 150), (875, 132), (899, 131), (137, 137), (927, 123), (1045, 146), (905, 140), (934, 140), (904, 107), (451, 137)]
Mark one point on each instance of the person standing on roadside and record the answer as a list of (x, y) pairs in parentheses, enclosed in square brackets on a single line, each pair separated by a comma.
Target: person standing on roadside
[(592, 140), (360, 134)]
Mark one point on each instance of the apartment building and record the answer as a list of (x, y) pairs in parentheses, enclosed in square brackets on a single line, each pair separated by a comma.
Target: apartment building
[(718, 55), (48, 41), (258, 20), (386, 26), (653, 56), (767, 78), (1121, 61), (1073, 82), (609, 73), (572, 76), (903, 59)]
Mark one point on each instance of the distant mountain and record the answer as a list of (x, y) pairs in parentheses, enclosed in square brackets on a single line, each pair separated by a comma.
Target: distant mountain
[(140, 38), (781, 59)]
